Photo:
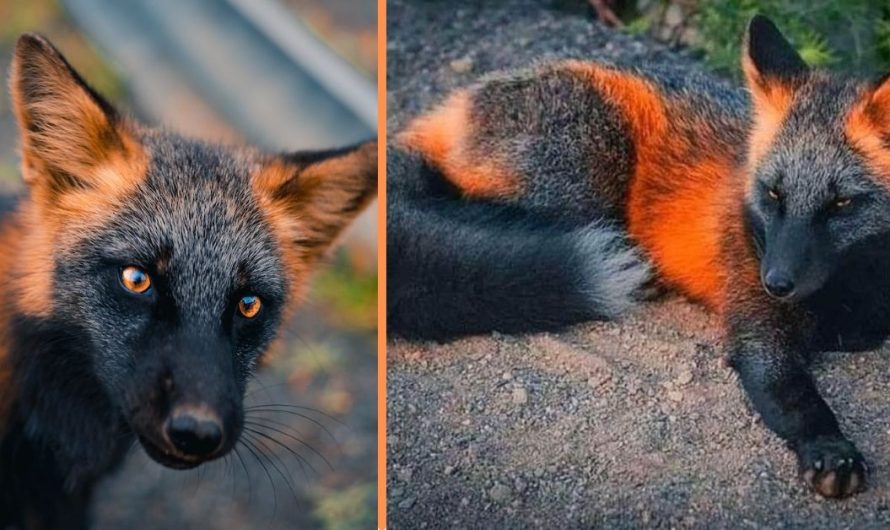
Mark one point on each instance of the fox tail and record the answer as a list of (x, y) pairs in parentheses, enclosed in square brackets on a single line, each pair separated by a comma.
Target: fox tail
[(459, 267)]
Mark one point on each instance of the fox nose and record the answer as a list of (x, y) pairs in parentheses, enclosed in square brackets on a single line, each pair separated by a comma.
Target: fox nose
[(195, 433), (778, 284)]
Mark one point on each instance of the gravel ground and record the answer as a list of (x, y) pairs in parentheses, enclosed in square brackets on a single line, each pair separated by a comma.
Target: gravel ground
[(637, 423)]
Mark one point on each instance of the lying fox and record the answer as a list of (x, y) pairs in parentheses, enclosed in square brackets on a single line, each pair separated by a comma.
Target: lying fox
[(143, 276), (544, 197)]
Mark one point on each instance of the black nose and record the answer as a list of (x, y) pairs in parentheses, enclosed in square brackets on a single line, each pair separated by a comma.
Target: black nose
[(778, 284), (195, 435)]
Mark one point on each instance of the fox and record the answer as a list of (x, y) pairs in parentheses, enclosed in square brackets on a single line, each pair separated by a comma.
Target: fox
[(571, 190), (144, 276)]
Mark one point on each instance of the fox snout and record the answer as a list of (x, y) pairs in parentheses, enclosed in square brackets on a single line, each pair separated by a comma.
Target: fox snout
[(188, 403), (793, 265), (196, 432)]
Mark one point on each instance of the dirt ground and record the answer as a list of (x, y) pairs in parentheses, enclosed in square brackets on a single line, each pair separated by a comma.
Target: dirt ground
[(637, 423)]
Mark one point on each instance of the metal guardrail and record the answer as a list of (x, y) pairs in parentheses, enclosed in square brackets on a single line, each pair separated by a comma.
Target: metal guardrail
[(252, 61)]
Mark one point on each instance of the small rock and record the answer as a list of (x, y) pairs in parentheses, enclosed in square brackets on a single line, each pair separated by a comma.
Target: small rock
[(449, 470), (520, 396), (519, 484), (500, 493), (406, 474), (508, 375), (675, 395), (465, 501), (461, 66), (684, 377), (407, 504)]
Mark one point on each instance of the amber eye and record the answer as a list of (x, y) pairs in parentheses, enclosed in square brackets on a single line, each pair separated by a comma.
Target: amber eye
[(842, 203), (249, 306), (135, 279), (774, 194)]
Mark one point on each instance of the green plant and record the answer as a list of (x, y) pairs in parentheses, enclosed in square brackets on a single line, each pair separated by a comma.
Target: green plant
[(845, 34)]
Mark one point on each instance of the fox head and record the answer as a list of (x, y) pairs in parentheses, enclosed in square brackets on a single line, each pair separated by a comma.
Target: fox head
[(169, 261), (818, 163)]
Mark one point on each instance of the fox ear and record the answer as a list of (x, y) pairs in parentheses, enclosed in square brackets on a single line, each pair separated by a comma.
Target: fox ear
[(67, 130), (773, 68), (313, 196), (878, 105)]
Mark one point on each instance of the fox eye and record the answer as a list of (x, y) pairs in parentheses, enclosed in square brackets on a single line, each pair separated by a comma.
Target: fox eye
[(840, 203), (135, 279), (774, 193), (249, 306)]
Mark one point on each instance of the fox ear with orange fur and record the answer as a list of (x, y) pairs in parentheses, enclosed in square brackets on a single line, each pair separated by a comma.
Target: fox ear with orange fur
[(773, 68), (867, 125), (878, 105), (67, 130), (773, 72), (313, 196)]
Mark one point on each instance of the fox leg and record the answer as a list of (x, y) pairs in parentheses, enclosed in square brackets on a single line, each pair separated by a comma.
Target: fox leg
[(772, 366)]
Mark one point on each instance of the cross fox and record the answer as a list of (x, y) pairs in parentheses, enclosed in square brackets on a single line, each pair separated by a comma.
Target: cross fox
[(543, 197), (142, 275)]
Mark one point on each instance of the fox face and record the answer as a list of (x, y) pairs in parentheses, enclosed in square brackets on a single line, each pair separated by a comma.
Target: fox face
[(171, 262), (819, 185)]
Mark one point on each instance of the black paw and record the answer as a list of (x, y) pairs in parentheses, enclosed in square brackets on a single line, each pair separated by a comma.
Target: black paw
[(832, 467)]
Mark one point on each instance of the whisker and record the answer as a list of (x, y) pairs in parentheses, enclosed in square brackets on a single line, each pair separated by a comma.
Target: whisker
[(271, 454), (253, 450), (292, 413), (294, 438), (299, 457), (264, 387), (298, 407), (246, 472)]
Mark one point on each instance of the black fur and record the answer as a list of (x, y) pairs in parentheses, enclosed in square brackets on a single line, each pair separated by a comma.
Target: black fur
[(461, 267)]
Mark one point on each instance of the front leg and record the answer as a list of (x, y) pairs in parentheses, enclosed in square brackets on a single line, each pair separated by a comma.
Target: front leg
[(774, 374)]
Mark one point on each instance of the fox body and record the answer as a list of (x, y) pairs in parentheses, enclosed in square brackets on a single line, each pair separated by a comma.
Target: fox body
[(550, 193), (143, 276)]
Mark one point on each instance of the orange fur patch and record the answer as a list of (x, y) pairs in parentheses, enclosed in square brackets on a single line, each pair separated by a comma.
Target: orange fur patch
[(309, 207), (58, 219), (443, 137), (680, 230), (771, 101), (78, 158), (637, 99), (867, 127)]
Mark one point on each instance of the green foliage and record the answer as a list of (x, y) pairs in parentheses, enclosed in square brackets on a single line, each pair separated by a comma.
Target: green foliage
[(346, 291), (844, 34), (349, 509)]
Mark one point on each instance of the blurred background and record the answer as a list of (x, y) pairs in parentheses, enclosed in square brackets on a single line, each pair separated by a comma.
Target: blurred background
[(852, 35), (286, 75)]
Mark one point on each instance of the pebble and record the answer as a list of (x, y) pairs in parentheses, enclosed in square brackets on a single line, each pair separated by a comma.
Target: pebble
[(675, 395), (684, 377), (407, 504), (520, 396), (500, 493), (449, 470), (461, 66)]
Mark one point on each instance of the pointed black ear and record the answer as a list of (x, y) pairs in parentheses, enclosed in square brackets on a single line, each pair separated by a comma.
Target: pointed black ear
[(769, 54), (67, 130)]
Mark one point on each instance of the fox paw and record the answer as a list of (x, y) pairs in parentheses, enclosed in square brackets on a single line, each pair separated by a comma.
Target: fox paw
[(832, 467)]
